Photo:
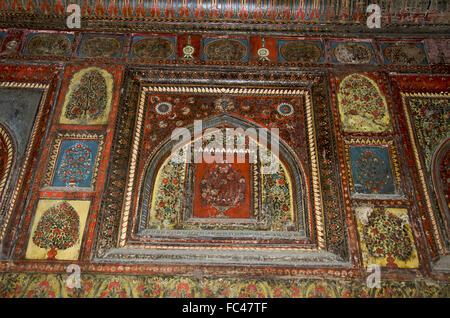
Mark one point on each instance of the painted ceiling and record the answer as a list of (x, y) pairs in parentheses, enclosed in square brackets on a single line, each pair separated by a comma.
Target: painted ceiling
[(255, 12), (88, 180)]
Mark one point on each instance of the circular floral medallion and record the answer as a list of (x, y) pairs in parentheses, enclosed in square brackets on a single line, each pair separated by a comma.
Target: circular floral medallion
[(163, 108), (224, 104), (11, 45), (285, 109), (222, 187), (101, 47), (188, 50), (404, 53), (225, 50), (153, 48), (301, 51), (49, 44), (352, 53)]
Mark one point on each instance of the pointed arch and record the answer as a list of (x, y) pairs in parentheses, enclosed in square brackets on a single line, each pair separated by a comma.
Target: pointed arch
[(7, 160), (290, 175), (441, 181)]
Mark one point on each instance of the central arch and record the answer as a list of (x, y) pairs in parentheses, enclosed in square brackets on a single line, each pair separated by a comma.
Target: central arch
[(157, 180)]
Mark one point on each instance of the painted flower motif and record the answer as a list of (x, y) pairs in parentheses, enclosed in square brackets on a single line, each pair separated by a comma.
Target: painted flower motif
[(57, 229), (150, 289), (371, 170), (276, 200), (222, 187), (285, 109), (168, 201), (75, 165), (43, 290), (386, 235), (362, 106), (163, 108), (224, 104), (185, 110), (114, 290), (183, 290), (431, 117), (11, 285), (89, 99), (252, 291)]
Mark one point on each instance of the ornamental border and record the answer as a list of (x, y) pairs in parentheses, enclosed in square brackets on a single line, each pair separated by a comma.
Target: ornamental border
[(420, 169), (31, 142), (311, 139)]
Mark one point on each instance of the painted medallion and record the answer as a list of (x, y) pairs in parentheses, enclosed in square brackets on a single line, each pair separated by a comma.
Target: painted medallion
[(49, 44), (352, 53), (153, 48), (404, 53), (225, 50), (300, 51), (101, 47)]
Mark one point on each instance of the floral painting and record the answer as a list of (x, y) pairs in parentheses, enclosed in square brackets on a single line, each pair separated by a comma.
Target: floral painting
[(386, 237), (362, 106)]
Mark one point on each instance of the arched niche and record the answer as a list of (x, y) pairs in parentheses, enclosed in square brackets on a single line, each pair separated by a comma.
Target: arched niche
[(7, 160), (441, 181), (88, 98), (264, 208), (362, 105)]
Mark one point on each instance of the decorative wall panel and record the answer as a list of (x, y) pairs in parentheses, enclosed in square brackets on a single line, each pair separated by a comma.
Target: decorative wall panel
[(424, 122), (386, 237), (347, 128), (88, 99), (57, 229), (74, 161)]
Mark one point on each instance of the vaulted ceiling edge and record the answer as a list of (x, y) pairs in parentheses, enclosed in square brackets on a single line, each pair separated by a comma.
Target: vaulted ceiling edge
[(222, 15)]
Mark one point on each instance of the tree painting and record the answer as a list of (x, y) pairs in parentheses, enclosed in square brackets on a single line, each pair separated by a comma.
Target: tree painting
[(89, 99), (58, 229)]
